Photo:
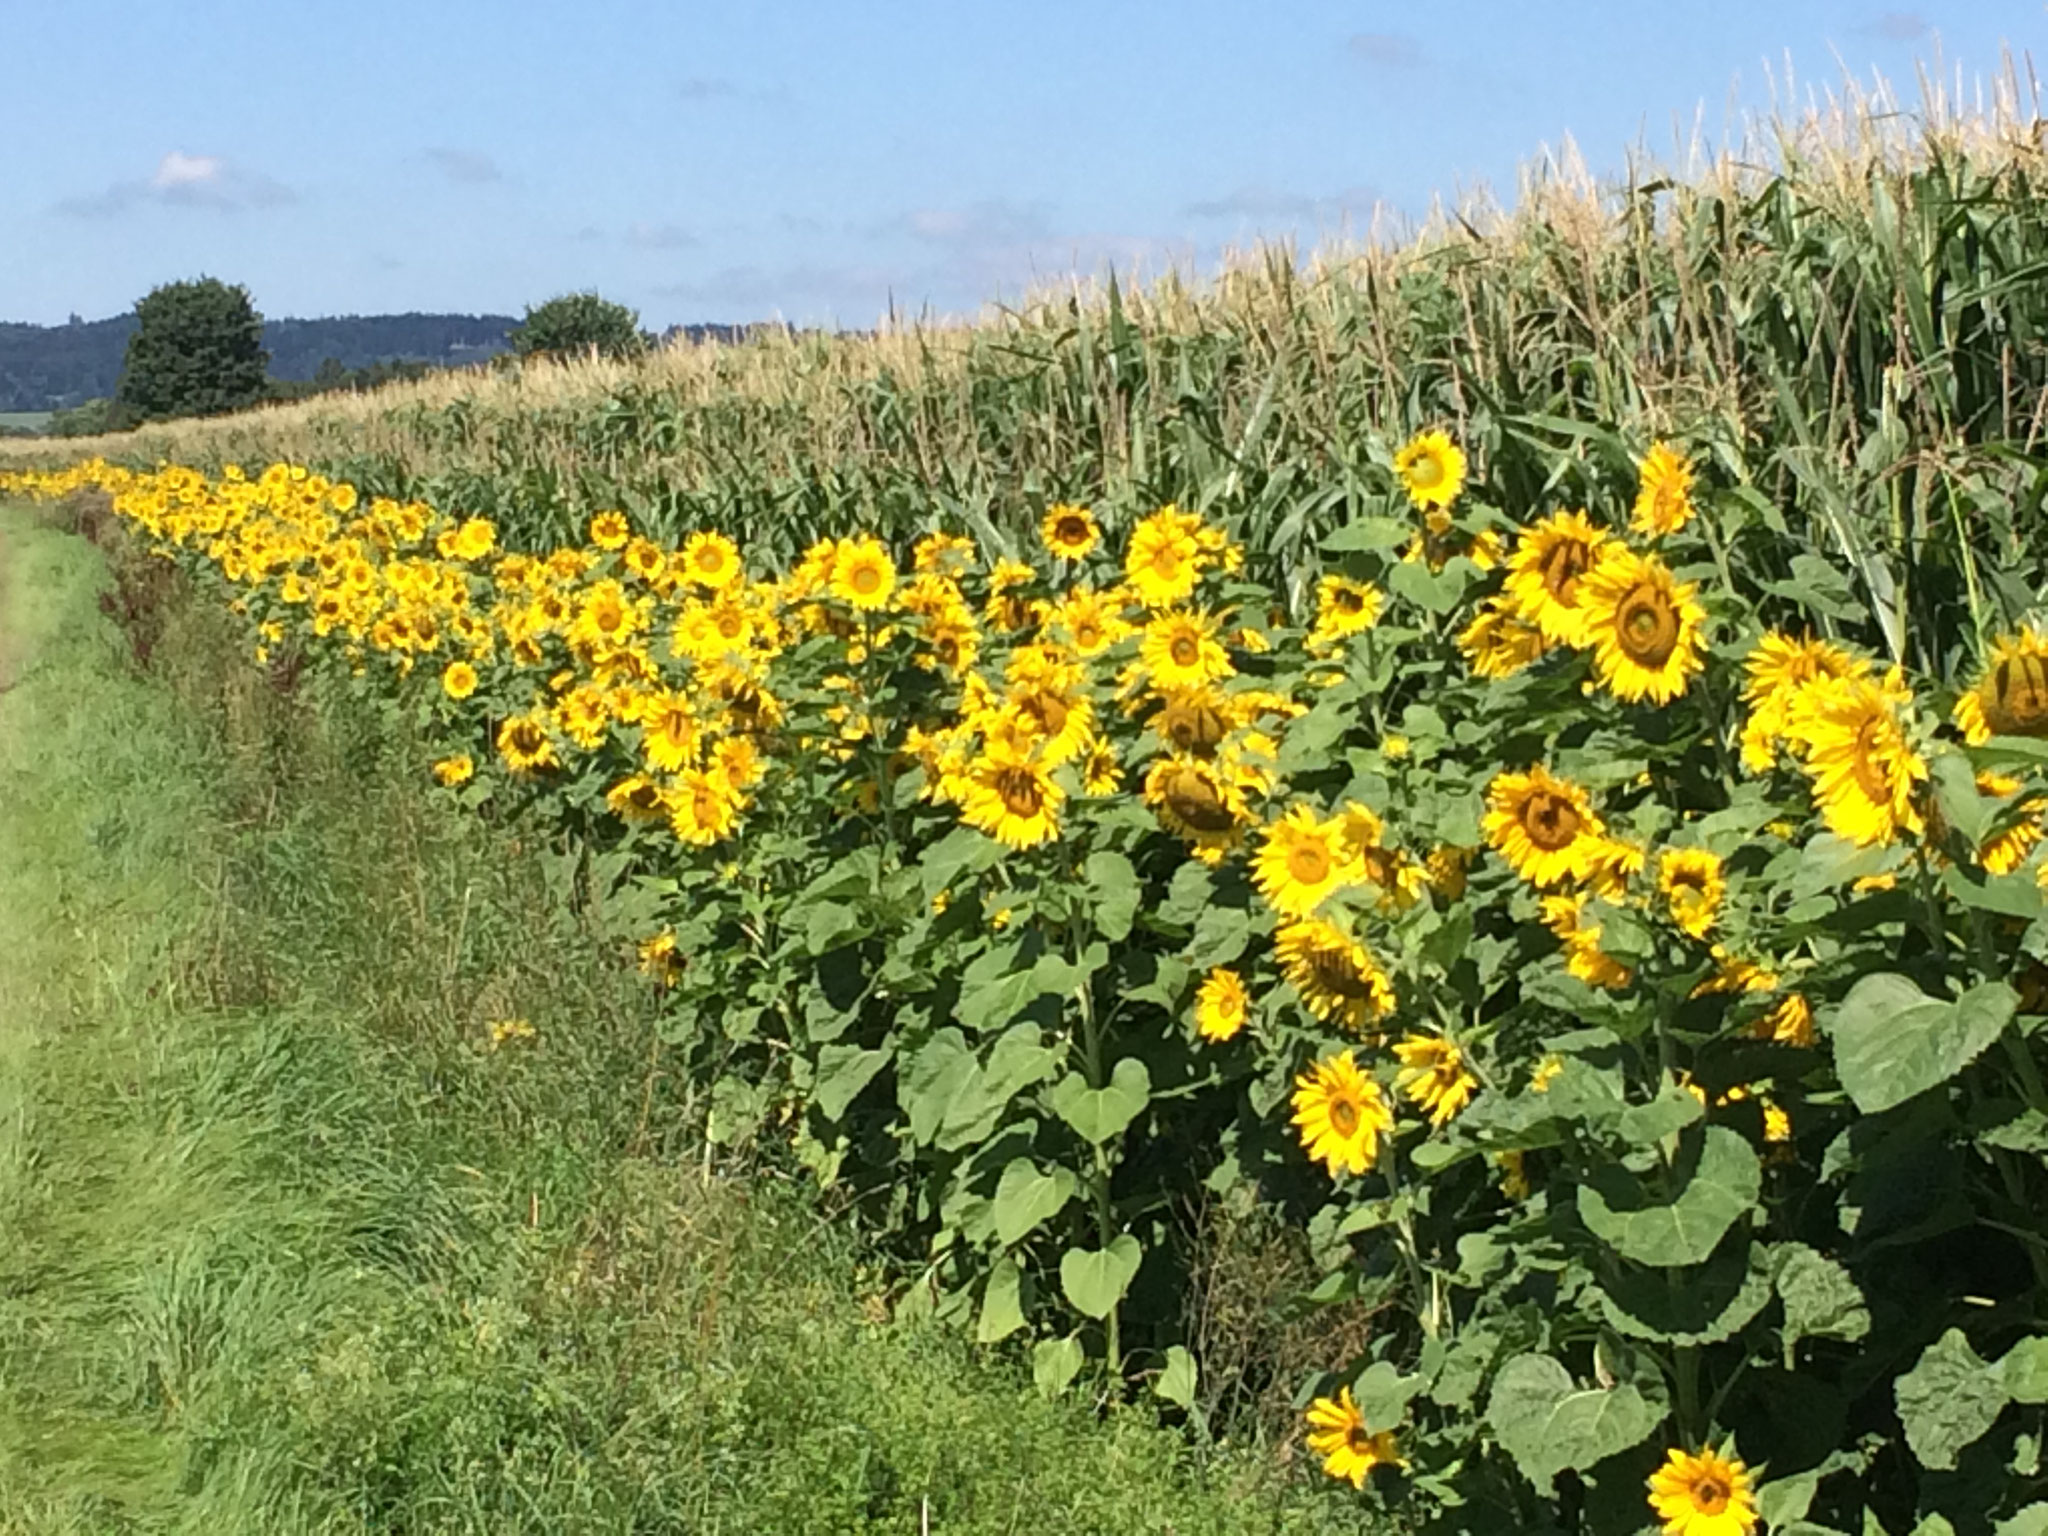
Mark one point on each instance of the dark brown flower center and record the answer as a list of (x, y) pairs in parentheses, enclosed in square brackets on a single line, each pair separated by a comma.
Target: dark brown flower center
[(1185, 650), (1646, 626), (1567, 561), (1551, 820), (1071, 529), (1344, 1117), (2015, 697), (1710, 1495), (1020, 792), (1194, 800)]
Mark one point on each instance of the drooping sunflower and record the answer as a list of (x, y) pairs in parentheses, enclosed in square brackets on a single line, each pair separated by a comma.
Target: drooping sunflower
[(1102, 772), (1565, 914), (1548, 569), (1302, 861), (1704, 1495), (1337, 1433), (2011, 698), (1853, 746), (863, 574), (1221, 1005), (702, 807), (1180, 650), (1644, 626), (1499, 642), (1432, 468), (458, 680), (1789, 1021), (1069, 532), (1195, 721), (1434, 1077), (1692, 885), (1340, 1115), (1198, 801), (610, 530), (669, 732), (711, 560), (451, 771), (1163, 561), (1777, 667), (1664, 493), (1344, 607), (2006, 849), (1544, 826), (1334, 975), (524, 743), (636, 798)]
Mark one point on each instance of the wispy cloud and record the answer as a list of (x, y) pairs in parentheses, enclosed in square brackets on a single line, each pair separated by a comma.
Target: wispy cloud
[(464, 167), (1386, 50), (1897, 26), (659, 237), (991, 222), (180, 180), (1264, 205), (706, 88)]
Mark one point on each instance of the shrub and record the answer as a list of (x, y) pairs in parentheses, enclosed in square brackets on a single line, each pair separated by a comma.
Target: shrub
[(579, 323), (197, 351)]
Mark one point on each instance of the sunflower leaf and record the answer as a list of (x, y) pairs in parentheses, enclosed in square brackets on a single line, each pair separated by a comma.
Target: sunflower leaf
[(1821, 1300), (1719, 1179), (1115, 892), (1100, 1113), (1054, 1364), (1002, 1305), (1947, 1400), (1025, 1197), (1095, 1279), (1176, 1383), (1548, 1424), (1893, 1041)]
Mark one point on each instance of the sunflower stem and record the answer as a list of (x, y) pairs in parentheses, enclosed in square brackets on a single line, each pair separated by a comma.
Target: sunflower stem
[(1105, 1213), (1687, 1361)]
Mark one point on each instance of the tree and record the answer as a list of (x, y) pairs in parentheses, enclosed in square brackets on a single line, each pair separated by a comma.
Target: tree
[(197, 351), (577, 322)]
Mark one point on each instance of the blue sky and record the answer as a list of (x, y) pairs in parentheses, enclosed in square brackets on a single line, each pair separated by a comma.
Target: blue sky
[(727, 161)]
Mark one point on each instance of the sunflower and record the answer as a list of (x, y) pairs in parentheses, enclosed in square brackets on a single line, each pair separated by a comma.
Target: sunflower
[(702, 807), (1340, 1115), (669, 733), (1194, 721), (1692, 885), (863, 574), (1221, 1005), (1199, 802), (1101, 771), (1544, 826), (2011, 698), (1664, 497), (1643, 624), (1011, 798), (524, 744), (711, 560), (1069, 532), (1499, 642), (1547, 571), (1302, 860), (1432, 467), (451, 771), (1854, 748), (1789, 1021), (1180, 650), (610, 530), (1583, 957), (1163, 561), (1093, 620), (1344, 607), (1778, 666), (1337, 1433), (1434, 1077), (658, 957), (1703, 1495), (458, 680), (1334, 975), (1063, 723)]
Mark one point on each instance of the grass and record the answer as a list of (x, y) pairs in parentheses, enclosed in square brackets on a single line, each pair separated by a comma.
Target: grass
[(33, 421), (292, 1247)]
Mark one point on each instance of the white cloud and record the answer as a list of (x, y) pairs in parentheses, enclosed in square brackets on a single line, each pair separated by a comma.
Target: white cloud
[(659, 237), (464, 167), (182, 180), (1386, 50), (1266, 205), (181, 170)]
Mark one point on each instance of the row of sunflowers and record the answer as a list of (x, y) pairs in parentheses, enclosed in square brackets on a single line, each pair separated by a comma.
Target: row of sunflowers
[(1625, 980)]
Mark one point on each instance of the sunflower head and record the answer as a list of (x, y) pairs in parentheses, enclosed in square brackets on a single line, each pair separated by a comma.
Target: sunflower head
[(458, 680), (1341, 1114), (1350, 1452), (1303, 860), (1550, 562), (451, 771), (1180, 651), (610, 530), (1069, 532), (1692, 885), (1334, 975), (1221, 1005), (1544, 826), (863, 574), (1644, 626), (1165, 557), (1499, 642), (1434, 1077), (1432, 469), (2012, 697), (1664, 498), (1703, 1495)]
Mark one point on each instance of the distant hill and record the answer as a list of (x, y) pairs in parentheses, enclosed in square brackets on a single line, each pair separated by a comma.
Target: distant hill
[(52, 367)]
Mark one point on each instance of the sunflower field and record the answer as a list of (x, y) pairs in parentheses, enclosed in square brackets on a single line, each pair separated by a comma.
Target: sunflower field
[(1609, 923)]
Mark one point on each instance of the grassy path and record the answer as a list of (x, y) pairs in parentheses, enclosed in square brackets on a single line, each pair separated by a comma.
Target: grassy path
[(286, 1244)]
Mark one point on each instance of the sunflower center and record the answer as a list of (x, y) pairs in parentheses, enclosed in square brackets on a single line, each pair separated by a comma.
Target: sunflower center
[(1071, 530), (1551, 820), (1710, 1496), (1335, 974), (865, 579), (1020, 793), (1427, 471), (1646, 626), (1048, 709), (1348, 602), (1356, 1437), (1166, 562), (2015, 697), (710, 561), (1185, 650), (731, 625), (1869, 761), (1087, 634), (608, 619), (1308, 862), (1194, 800), (1567, 561), (1344, 1117)]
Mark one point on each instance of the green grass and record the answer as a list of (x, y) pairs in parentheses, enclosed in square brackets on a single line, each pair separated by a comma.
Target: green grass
[(34, 421), (290, 1248)]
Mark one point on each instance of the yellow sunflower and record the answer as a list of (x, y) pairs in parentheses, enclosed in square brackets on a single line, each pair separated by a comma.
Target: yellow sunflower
[(1547, 572), (636, 798), (1853, 746), (1180, 650), (1434, 1077), (1703, 1495), (1199, 802), (1302, 860), (863, 574), (1221, 1005), (1789, 1021), (1692, 884), (1163, 561), (2011, 698), (711, 560), (1011, 798), (1344, 607), (610, 530), (524, 743), (458, 680), (1337, 1433), (1583, 957), (1069, 532), (1644, 626), (1664, 497), (1499, 642), (1194, 721), (1432, 468), (1340, 1115), (1777, 667), (1102, 773), (451, 771), (1093, 620), (669, 733), (1544, 826), (702, 807), (1334, 975)]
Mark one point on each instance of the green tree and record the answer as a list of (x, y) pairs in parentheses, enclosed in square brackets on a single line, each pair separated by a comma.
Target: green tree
[(197, 351), (576, 323)]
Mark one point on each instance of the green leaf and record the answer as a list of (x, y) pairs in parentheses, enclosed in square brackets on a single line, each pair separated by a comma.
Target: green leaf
[(1696, 1305), (1670, 1112), (1785, 1499), (1383, 1395), (1821, 1300), (1100, 1113), (1221, 934), (2024, 1371), (1095, 1279), (962, 851), (1114, 891), (997, 984), (1002, 1305), (1018, 1059), (1025, 1197), (1955, 784), (1365, 534), (2031, 1521), (1436, 591), (1176, 1383), (843, 1070), (1054, 1363), (1947, 1400), (1718, 1179), (1893, 1041), (1549, 1425)]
